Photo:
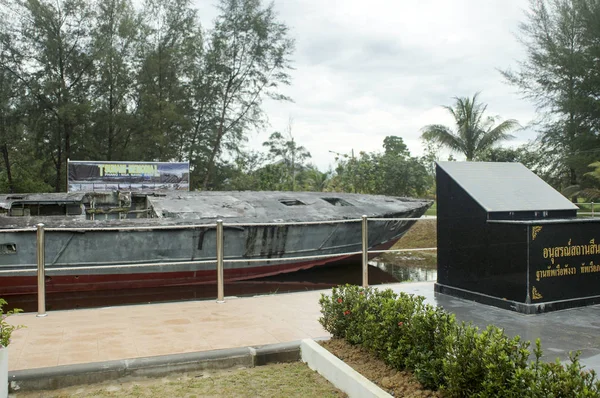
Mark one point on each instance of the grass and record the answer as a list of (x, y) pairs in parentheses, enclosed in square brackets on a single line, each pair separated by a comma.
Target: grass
[(432, 211), (421, 235), (586, 207), (277, 380)]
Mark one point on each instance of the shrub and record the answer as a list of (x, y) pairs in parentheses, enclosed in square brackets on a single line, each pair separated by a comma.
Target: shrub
[(6, 328), (340, 308), (483, 364), (375, 325), (457, 358), (553, 379), (428, 344)]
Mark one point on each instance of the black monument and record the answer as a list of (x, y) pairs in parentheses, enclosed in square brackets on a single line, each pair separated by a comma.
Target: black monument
[(508, 239)]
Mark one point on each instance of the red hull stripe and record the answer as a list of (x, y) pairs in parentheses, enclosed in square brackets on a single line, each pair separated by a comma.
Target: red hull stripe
[(10, 285)]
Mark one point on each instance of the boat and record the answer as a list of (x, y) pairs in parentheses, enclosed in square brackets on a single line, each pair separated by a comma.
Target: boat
[(125, 240)]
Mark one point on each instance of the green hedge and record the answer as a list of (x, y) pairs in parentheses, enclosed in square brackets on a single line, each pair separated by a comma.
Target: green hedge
[(446, 355)]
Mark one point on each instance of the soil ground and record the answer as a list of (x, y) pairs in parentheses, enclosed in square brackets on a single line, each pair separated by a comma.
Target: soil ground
[(396, 383), (399, 384)]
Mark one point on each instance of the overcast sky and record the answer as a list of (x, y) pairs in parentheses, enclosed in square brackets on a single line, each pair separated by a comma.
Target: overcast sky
[(368, 69)]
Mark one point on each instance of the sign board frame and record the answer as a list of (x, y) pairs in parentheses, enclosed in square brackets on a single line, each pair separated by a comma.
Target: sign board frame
[(127, 176)]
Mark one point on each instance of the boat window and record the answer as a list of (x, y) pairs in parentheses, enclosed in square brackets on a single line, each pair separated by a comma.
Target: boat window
[(8, 248), (337, 201), (26, 209), (292, 202)]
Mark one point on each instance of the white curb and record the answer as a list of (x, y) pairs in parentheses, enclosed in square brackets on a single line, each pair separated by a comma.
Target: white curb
[(337, 372)]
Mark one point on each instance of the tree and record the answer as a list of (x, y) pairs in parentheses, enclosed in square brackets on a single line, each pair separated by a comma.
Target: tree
[(10, 112), (315, 180), (395, 146), (394, 172), (524, 154), (241, 173), (286, 151), (591, 190), (247, 60), (113, 41), (102, 81), (402, 176), (560, 76), (474, 131), (51, 58), (165, 55)]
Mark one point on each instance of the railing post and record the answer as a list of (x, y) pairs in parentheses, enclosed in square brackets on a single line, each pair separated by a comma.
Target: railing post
[(220, 294), (365, 252), (41, 273), (592, 209)]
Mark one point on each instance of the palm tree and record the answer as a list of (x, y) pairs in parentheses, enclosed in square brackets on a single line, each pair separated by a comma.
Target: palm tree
[(316, 180), (591, 193), (474, 132)]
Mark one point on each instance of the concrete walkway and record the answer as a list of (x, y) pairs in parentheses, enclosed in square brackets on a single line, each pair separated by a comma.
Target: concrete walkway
[(104, 334)]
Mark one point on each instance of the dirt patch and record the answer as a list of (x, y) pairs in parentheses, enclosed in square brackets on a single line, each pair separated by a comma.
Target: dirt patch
[(397, 383)]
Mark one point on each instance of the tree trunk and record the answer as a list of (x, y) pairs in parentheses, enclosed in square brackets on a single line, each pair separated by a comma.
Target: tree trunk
[(573, 181), (111, 127), (11, 188), (58, 165), (213, 155), (68, 134)]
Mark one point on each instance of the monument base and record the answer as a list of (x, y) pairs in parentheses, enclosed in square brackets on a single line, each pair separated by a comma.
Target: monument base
[(523, 308)]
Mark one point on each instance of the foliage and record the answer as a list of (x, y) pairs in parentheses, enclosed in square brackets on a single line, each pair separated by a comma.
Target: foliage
[(239, 174), (106, 81), (165, 50), (593, 193), (430, 331), (291, 155), (530, 155), (6, 329), (483, 364), (456, 358), (52, 62), (393, 172), (338, 307), (553, 379), (249, 172), (431, 155), (113, 47), (247, 58), (315, 180), (560, 76), (474, 133), (591, 189)]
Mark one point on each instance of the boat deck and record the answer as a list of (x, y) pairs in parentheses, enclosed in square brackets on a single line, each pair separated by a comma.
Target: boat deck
[(104, 334)]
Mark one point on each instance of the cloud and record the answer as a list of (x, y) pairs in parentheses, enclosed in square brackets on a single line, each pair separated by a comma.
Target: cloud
[(366, 70)]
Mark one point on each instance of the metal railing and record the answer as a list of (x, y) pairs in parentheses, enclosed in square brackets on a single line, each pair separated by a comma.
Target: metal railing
[(220, 255), (584, 213), (41, 273), (40, 243)]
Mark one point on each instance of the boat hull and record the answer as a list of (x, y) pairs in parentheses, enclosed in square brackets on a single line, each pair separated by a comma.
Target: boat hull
[(17, 285), (180, 248)]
